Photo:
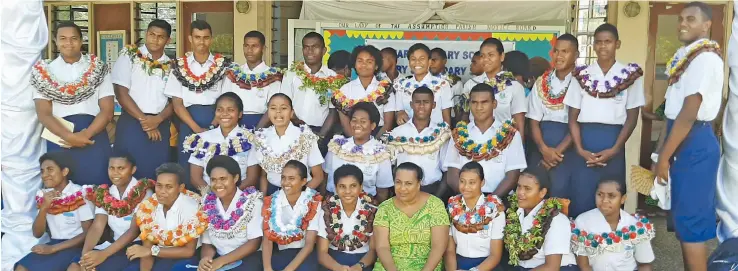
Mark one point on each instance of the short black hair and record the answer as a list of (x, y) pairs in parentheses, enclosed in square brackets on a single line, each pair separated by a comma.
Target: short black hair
[(200, 25), (607, 27), (301, 168), (616, 180), (232, 96), (172, 168), (225, 162), (483, 88), (61, 159), (348, 170), (314, 35), (517, 63), (473, 166), (159, 23), (410, 166), (418, 46), (389, 50), (64, 24), (705, 8), (371, 50), (339, 59), (477, 54), (570, 38), (440, 52), (540, 175), (281, 95), (422, 90), (255, 34), (370, 110), (119, 153), (493, 42)]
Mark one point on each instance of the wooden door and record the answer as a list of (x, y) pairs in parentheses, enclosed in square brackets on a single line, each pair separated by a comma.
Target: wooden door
[(219, 14)]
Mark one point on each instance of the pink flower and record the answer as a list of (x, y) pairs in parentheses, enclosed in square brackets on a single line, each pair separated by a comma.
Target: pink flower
[(104, 186), (108, 199)]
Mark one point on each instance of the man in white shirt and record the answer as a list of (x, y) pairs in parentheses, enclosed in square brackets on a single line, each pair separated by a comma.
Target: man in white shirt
[(438, 68), (389, 65)]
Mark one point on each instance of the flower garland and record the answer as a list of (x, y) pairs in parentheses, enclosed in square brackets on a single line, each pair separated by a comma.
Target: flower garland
[(678, 64), (501, 81), (69, 93), (452, 79), (69, 203), (200, 83), (476, 219), (196, 145), (148, 65), (420, 145), (348, 151), (523, 246), (324, 87), (487, 150), (181, 236), (406, 86), (235, 225), (100, 196), (593, 244), (273, 162), (248, 81), (611, 87), (551, 101), (380, 96), (359, 235), (275, 229)]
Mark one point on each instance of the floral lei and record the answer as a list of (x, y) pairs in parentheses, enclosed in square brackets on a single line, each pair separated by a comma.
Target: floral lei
[(148, 65), (420, 145), (181, 236), (406, 86), (196, 145), (274, 162), (69, 93), (380, 96), (334, 228), (677, 65), (523, 246), (451, 78), (276, 231), (324, 87), (235, 225), (593, 244), (62, 205), (551, 101), (611, 87), (489, 149), (248, 81), (476, 219), (200, 83), (100, 196), (350, 152), (501, 81)]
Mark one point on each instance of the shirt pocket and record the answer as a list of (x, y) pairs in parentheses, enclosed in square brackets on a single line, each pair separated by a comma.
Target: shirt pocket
[(70, 218)]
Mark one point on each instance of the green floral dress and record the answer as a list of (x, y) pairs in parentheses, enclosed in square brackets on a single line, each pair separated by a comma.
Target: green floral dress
[(410, 237)]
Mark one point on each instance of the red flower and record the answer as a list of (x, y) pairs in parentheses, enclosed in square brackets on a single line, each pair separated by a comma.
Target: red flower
[(108, 199)]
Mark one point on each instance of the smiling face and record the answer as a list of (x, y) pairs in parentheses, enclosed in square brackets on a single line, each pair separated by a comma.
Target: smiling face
[(366, 65), (362, 124), (253, 50), (529, 192), (407, 185), (280, 111), (292, 183), (693, 25), (52, 175), (491, 59), (348, 190), (227, 113), (68, 42), (201, 40), (312, 50), (167, 188), (120, 171), (419, 62), (223, 184), (565, 54)]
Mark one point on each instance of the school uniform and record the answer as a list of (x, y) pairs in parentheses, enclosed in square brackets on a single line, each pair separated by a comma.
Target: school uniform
[(348, 222), (442, 94), (92, 158), (201, 156), (147, 91), (62, 227), (510, 101), (284, 254), (600, 121), (431, 163), (376, 175), (694, 165), (473, 248), (305, 102), (555, 242), (384, 76), (254, 99), (355, 90), (624, 255)]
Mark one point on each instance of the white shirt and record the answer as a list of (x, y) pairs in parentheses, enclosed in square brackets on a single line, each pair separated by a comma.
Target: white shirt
[(594, 222), (704, 75), (510, 101), (556, 240), (355, 90), (383, 76), (305, 102), (174, 87), (431, 162), (253, 227), (183, 209), (290, 214), (146, 90), (443, 96), (280, 145), (375, 175), (64, 73), (348, 222), (605, 110), (538, 111), (68, 225), (120, 225), (511, 158), (215, 136), (255, 99), (477, 245)]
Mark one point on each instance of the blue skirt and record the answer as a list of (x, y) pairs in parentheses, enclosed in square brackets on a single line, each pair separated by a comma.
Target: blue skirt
[(203, 115), (59, 261), (116, 262), (693, 174), (160, 264), (563, 268), (250, 263), (282, 258), (553, 133), (596, 137), (464, 263), (348, 259), (250, 120), (149, 154), (91, 162)]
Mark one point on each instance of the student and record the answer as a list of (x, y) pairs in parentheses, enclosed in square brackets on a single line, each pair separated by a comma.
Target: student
[(631, 250), (115, 207), (419, 60), (339, 62), (423, 142), (517, 63), (346, 227), (63, 211), (547, 248), (291, 218), (254, 81), (89, 109), (476, 235), (461, 100), (690, 155), (475, 68), (604, 102), (363, 151), (281, 142), (389, 69), (193, 86), (438, 68)]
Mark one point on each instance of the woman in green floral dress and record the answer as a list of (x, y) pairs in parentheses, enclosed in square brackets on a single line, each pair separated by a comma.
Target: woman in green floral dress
[(410, 229)]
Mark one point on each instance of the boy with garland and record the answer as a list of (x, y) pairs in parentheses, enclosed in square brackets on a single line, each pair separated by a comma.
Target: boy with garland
[(419, 61), (139, 78), (389, 69), (604, 101), (438, 68)]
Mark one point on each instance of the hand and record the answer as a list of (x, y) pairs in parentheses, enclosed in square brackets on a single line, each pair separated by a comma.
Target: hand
[(77, 140), (43, 249), (206, 264), (214, 122), (48, 198), (149, 123), (198, 130), (551, 156), (92, 259), (137, 251), (154, 135), (355, 267), (605, 155), (216, 264), (662, 171), (589, 157), (402, 117), (546, 165)]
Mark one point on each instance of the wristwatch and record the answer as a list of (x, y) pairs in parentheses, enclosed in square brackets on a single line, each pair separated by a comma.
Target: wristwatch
[(474, 269), (155, 251), (362, 265)]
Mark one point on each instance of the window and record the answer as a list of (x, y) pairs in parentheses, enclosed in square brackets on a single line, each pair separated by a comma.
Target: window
[(147, 12), (590, 15), (79, 14)]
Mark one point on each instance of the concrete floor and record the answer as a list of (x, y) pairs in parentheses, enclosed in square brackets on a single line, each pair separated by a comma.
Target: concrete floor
[(667, 249)]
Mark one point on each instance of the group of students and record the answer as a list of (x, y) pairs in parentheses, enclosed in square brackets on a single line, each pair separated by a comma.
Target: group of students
[(248, 132)]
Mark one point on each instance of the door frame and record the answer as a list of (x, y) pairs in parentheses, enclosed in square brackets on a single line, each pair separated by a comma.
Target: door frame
[(188, 8)]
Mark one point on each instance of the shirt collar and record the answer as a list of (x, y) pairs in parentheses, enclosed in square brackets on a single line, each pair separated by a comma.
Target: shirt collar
[(69, 188), (145, 52), (357, 83), (615, 69), (473, 125), (231, 206), (480, 201), (324, 71), (130, 186), (352, 214), (283, 202), (191, 59), (431, 126), (231, 134), (533, 212), (426, 79), (60, 61), (175, 205), (259, 68)]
